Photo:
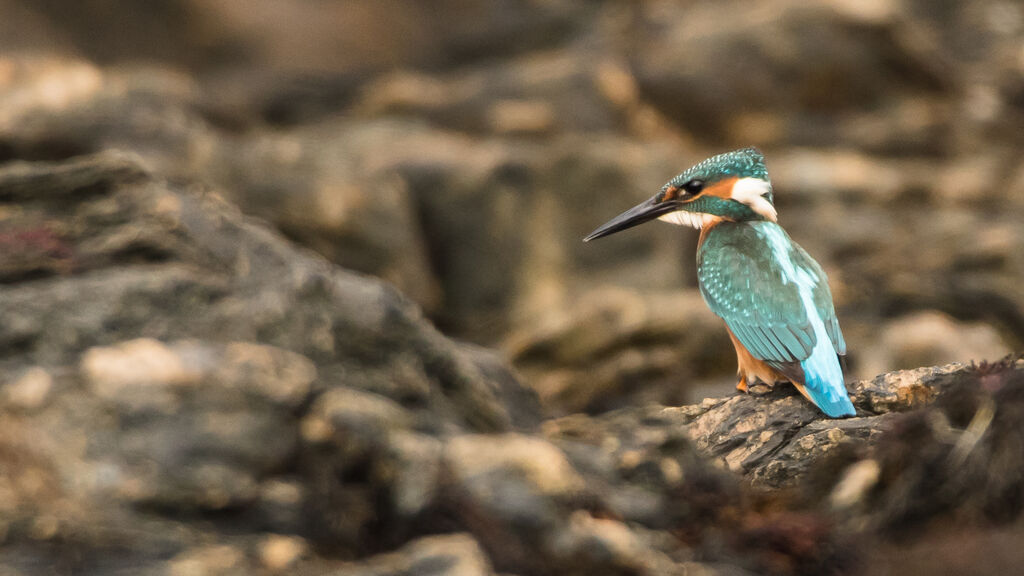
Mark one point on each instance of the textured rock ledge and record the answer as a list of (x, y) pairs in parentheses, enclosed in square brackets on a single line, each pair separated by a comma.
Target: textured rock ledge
[(774, 436)]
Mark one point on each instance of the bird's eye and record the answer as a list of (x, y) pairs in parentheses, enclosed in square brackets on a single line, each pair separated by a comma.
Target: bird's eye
[(693, 186)]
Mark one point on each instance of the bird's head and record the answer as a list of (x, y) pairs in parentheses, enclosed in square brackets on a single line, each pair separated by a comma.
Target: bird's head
[(731, 186)]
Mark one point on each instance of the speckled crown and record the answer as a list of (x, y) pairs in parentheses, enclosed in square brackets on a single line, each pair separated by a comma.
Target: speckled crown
[(743, 163)]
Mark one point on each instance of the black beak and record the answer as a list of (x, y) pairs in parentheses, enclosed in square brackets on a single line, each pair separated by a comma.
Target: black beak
[(649, 210)]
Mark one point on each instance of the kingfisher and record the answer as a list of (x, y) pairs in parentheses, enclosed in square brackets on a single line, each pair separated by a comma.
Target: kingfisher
[(773, 296)]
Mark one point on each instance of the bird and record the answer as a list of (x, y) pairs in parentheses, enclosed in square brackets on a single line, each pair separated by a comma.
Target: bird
[(774, 298)]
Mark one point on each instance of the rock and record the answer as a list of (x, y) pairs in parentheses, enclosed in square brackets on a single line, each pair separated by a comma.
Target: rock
[(812, 445), (929, 339), (279, 553), (207, 561), (749, 83), (55, 108), (24, 29), (186, 265), (777, 438), (592, 498), (648, 475), (612, 547), (906, 389), (322, 186), (279, 504), (344, 411), (919, 453), (855, 484), (965, 451), (157, 403), (544, 190), (495, 225), (396, 188), (219, 37), (535, 95), (644, 468), (363, 220), (29, 391), (179, 438), (850, 165), (455, 554), (366, 195), (274, 78), (590, 355), (518, 398), (515, 492), (366, 460), (477, 461), (142, 368)]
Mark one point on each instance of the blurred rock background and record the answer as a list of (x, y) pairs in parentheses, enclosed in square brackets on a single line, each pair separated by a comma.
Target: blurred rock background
[(167, 359), (460, 150)]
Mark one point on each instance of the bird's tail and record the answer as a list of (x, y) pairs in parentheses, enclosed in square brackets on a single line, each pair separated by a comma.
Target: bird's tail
[(833, 406), (823, 382)]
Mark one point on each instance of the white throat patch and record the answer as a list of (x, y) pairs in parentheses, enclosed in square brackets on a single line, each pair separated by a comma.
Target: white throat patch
[(683, 218), (751, 191)]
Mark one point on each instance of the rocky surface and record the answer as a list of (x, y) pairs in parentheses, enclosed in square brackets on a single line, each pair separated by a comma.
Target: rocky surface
[(774, 436), (610, 340)]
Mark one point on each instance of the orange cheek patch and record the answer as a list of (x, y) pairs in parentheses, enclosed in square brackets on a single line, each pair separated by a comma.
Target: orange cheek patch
[(722, 188)]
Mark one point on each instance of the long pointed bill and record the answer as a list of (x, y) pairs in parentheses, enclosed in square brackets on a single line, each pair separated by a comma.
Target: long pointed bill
[(647, 211)]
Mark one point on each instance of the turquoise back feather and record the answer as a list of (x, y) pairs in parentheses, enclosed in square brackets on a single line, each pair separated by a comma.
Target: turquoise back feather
[(776, 301)]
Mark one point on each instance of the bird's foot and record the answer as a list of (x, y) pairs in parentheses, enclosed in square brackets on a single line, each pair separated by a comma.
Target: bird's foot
[(760, 387), (742, 385)]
